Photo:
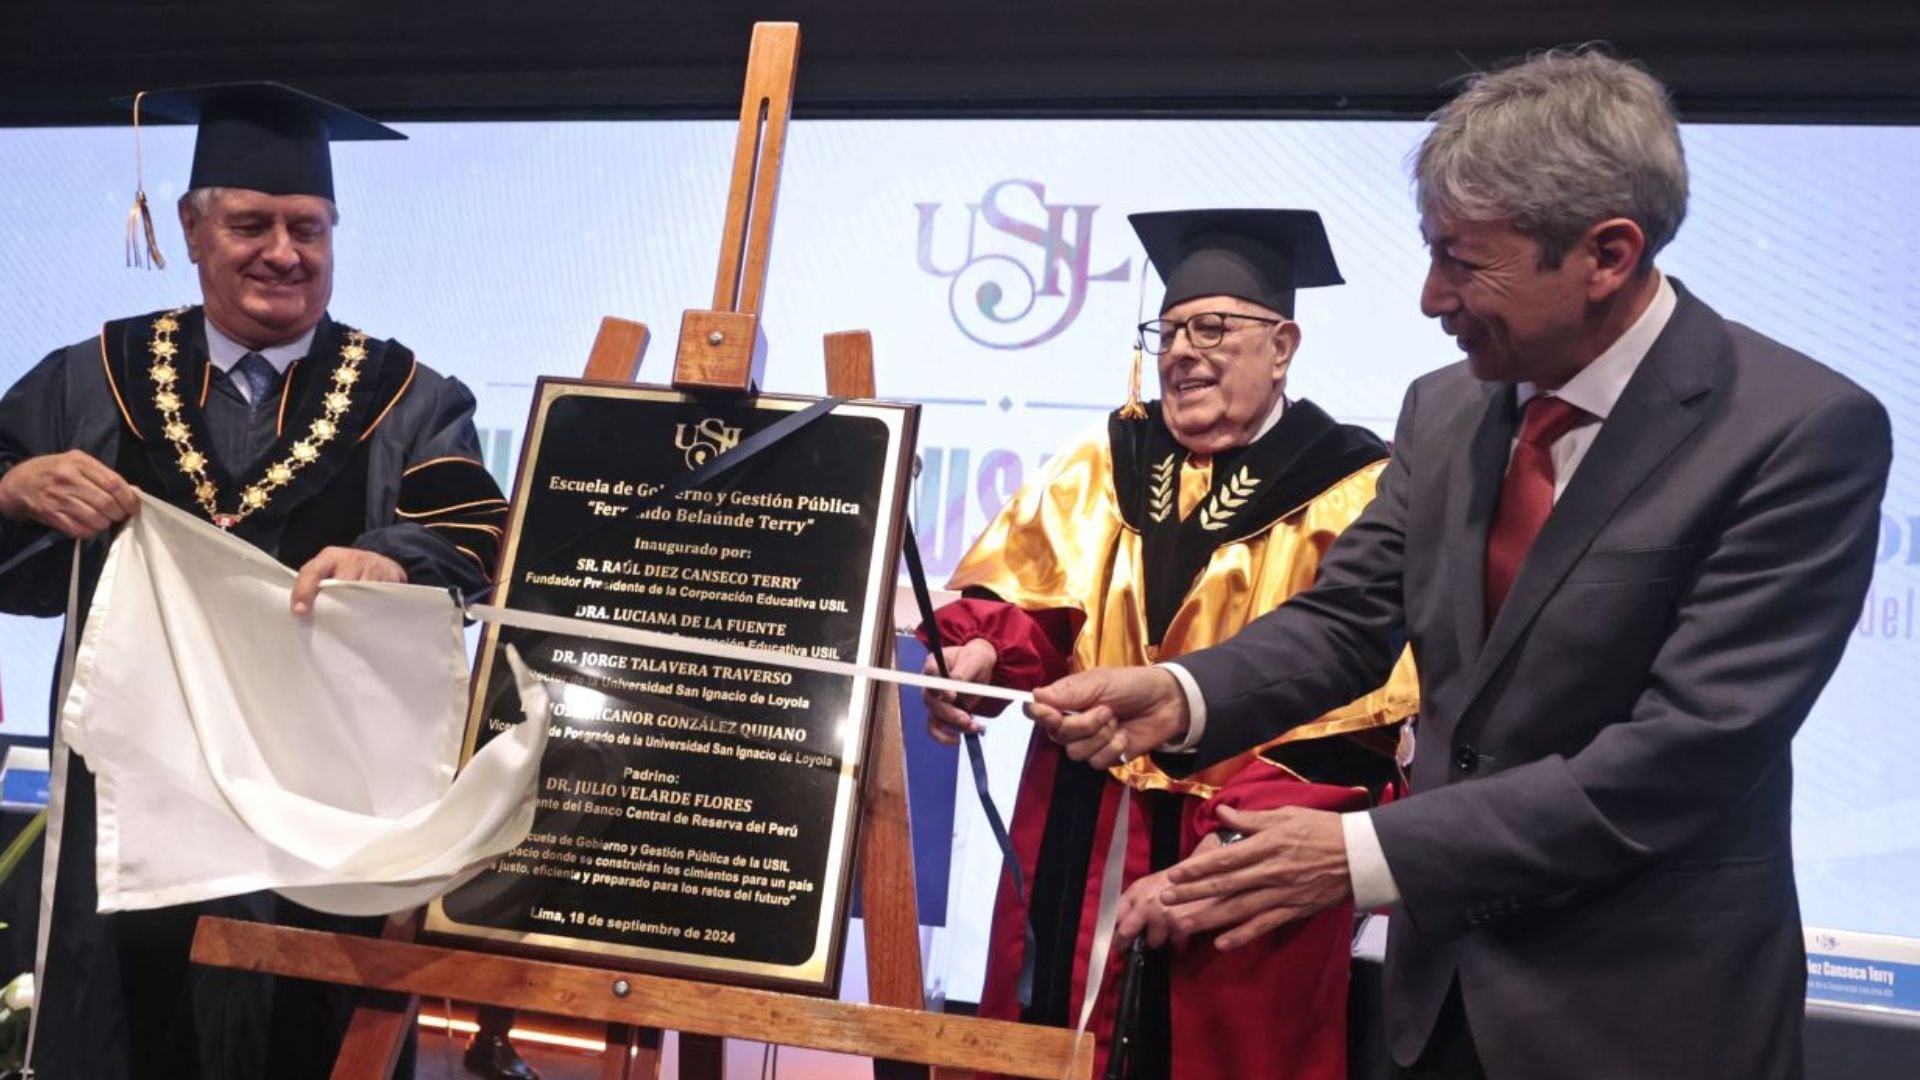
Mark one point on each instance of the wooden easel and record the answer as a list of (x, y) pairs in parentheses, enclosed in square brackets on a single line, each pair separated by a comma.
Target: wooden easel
[(719, 351)]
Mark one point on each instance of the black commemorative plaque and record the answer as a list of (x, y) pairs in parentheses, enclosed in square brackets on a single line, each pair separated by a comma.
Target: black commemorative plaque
[(694, 813)]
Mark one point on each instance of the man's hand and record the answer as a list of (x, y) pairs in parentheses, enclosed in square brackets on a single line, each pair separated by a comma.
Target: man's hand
[(1109, 715), (341, 564), (950, 715), (1292, 863), (1142, 912), (72, 493)]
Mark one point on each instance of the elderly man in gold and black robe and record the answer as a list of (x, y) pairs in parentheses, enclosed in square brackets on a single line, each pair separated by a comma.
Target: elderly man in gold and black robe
[(1166, 532)]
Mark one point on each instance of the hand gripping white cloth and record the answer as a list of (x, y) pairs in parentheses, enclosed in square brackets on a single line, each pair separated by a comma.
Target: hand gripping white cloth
[(238, 747)]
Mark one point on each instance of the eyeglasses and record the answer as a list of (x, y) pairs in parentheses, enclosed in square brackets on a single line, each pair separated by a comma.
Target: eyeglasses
[(1204, 330)]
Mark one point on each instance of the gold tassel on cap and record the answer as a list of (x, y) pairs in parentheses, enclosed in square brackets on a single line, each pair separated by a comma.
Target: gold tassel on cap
[(1133, 410), (140, 218)]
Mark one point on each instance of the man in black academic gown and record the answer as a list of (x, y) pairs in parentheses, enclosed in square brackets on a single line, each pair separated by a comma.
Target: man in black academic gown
[(333, 449)]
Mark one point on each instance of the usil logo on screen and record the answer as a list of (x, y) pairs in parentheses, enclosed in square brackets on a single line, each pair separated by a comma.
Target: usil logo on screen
[(1022, 274)]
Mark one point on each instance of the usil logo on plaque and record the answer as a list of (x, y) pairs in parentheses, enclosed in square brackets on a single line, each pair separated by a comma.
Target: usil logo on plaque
[(709, 437)]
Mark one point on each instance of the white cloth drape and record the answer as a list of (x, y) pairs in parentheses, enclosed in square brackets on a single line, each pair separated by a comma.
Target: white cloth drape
[(238, 747)]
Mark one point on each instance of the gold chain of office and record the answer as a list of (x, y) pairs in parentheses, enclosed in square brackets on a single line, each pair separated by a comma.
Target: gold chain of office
[(255, 496)]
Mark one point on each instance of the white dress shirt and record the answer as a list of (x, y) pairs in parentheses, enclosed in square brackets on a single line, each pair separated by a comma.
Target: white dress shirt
[(226, 352), (1273, 417), (1595, 390)]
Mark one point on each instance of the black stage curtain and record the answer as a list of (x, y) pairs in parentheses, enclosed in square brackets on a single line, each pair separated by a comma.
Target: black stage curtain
[(494, 59)]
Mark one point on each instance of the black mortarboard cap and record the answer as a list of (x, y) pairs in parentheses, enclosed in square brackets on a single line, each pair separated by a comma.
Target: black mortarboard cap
[(1257, 255), (263, 136)]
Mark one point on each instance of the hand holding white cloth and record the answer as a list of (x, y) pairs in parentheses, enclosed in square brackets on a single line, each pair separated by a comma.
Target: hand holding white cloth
[(237, 747)]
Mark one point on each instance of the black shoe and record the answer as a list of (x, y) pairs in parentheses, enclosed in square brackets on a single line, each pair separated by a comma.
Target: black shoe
[(494, 1058)]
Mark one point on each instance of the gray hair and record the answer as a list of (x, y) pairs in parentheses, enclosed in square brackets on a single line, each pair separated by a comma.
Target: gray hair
[(199, 203), (1564, 140)]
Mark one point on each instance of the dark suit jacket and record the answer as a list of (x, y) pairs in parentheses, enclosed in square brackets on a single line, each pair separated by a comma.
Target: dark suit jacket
[(1598, 845)]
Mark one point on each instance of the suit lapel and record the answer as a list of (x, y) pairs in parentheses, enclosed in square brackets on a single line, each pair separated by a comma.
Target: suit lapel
[(1475, 483), (1651, 419)]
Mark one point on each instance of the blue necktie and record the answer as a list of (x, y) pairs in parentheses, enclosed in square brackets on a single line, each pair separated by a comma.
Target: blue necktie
[(261, 378)]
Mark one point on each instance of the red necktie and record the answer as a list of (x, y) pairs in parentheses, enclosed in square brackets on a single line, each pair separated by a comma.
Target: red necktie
[(1526, 496)]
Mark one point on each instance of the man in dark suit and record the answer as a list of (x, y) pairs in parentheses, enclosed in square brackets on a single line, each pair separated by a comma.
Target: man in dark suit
[(1627, 541)]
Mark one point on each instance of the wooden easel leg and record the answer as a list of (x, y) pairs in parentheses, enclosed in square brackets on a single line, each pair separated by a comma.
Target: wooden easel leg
[(619, 1052), (702, 1057), (887, 900), (375, 1035), (617, 350), (381, 1022), (888, 904), (646, 1058), (633, 1053)]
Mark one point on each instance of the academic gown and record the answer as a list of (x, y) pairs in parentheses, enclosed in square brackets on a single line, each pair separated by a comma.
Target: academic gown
[(364, 447), (1127, 551)]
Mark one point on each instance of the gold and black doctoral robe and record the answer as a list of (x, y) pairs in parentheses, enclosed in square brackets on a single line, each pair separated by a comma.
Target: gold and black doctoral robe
[(1135, 552)]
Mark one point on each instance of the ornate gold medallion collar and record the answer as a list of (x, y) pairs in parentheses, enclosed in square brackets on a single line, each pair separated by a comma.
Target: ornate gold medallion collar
[(165, 377)]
